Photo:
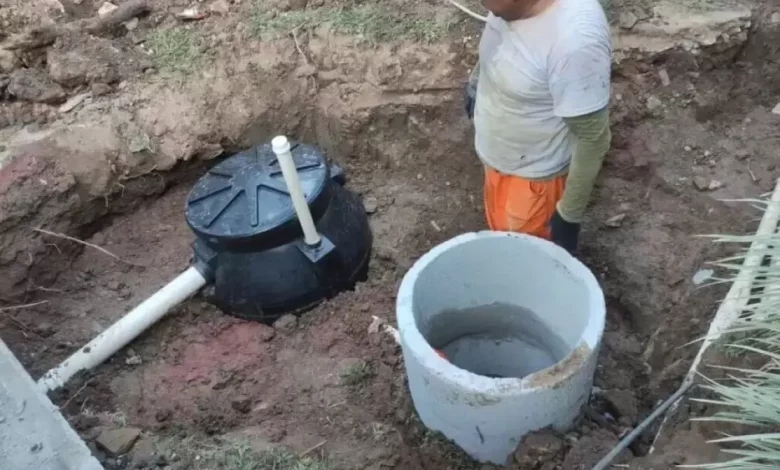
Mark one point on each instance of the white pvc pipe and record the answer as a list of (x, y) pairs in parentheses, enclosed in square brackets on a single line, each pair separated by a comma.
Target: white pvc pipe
[(125, 330), (281, 147)]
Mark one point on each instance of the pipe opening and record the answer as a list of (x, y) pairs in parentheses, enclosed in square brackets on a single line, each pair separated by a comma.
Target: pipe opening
[(501, 307)]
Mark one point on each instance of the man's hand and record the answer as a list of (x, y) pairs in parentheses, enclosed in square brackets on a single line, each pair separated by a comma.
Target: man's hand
[(564, 234), (470, 99)]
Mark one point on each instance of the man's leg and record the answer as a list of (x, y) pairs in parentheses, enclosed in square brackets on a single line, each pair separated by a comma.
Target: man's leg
[(515, 204)]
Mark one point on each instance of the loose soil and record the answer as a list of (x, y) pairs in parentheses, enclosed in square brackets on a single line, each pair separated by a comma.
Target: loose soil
[(158, 101)]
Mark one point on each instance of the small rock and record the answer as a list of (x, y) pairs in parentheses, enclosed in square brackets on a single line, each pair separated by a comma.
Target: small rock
[(286, 324), (371, 204), (741, 154), (134, 361), (73, 102), (100, 89), (143, 453), (622, 403), (701, 183), (616, 221), (664, 76), (707, 153), (163, 415), (375, 325), (688, 148), (242, 405), (192, 14), (775, 18), (131, 25), (106, 8), (118, 441), (776, 109), (9, 61), (715, 184), (654, 103), (220, 7), (627, 20)]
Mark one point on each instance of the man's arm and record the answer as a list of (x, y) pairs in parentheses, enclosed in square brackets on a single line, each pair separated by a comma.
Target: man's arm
[(593, 140)]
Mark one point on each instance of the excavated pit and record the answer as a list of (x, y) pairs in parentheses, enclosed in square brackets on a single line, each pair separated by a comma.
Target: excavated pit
[(393, 120)]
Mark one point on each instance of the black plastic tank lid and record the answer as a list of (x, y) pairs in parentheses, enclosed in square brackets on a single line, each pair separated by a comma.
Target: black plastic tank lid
[(245, 197)]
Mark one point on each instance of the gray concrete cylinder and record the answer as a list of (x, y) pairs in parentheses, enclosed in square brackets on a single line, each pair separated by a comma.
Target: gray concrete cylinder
[(544, 378)]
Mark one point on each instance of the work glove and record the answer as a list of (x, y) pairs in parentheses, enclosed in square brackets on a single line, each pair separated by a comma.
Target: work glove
[(564, 234), (470, 99)]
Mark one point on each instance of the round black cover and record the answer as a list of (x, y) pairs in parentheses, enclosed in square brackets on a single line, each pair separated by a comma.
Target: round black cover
[(244, 199)]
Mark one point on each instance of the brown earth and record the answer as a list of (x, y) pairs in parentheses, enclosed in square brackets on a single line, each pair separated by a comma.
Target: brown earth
[(114, 171)]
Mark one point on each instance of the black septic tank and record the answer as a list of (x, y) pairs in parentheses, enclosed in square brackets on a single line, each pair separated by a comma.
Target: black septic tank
[(249, 242)]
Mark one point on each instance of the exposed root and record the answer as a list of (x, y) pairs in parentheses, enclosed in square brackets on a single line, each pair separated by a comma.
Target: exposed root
[(19, 307), (82, 242)]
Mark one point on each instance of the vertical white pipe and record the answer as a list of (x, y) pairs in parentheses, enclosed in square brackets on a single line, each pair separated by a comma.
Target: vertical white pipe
[(281, 148), (125, 330)]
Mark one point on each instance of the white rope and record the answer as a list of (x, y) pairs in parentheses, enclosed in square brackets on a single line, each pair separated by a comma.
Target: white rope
[(465, 10)]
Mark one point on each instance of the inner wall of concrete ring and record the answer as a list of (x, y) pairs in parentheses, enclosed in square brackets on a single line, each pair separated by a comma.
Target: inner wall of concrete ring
[(484, 416)]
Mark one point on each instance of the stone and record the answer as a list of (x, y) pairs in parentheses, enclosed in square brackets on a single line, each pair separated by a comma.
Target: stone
[(775, 18), (143, 453), (688, 148), (100, 89), (654, 103), (624, 404), (700, 183), (776, 109), (664, 76), (34, 85), (370, 204), (714, 185), (286, 324), (220, 7), (742, 154), (134, 361), (132, 24), (627, 20), (9, 61), (616, 221), (118, 441), (73, 102), (106, 8)]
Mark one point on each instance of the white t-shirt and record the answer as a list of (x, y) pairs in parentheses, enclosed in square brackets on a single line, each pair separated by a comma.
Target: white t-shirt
[(533, 73)]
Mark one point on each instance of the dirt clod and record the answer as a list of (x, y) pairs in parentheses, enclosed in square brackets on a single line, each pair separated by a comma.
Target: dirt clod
[(623, 405), (242, 405), (118, 441), (536, 449), (286, 324), (701, 183), (34, 85), (144, 452)]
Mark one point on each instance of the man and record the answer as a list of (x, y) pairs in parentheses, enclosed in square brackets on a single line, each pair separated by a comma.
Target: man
[(538, 98)]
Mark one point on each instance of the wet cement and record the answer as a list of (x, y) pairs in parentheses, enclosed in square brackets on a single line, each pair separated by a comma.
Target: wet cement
[(496, 340)]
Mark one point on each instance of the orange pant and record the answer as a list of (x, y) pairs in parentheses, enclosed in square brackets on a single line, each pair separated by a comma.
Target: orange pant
[(515, 204)]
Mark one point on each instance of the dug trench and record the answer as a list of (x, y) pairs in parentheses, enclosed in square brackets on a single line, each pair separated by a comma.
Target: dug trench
[(327, 386)]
